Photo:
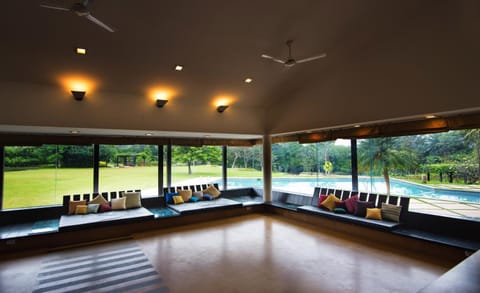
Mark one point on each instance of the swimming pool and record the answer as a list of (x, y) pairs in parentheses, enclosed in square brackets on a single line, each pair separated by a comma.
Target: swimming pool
[(375, 185)]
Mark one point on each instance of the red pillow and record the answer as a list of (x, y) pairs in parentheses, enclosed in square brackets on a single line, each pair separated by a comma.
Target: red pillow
[(104, 208), (321, 198), (350, 203)]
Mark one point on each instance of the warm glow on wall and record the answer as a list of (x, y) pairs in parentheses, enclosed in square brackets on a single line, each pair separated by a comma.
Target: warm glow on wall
[(223, 101), (77, 83), (161, 93)]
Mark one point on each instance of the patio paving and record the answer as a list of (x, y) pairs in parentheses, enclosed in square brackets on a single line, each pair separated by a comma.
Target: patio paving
[(444, 208)]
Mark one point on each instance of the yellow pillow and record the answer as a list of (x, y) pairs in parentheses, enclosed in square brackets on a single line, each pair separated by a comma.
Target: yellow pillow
[(375, 214), (185, 194), (212, 191), (178, 199), (330, 201), (72, 205), (81, 209)]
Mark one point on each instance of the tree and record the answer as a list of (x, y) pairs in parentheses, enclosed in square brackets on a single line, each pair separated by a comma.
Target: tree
[(190, 155), (473, 136), (380, 155)]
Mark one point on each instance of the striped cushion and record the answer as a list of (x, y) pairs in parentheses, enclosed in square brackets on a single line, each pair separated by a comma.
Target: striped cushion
[(391, 212)]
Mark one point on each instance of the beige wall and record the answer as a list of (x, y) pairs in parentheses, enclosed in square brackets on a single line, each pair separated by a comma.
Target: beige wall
[(37, 105)]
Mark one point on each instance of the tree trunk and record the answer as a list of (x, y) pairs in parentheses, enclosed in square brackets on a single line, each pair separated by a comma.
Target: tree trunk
[(189, 168), (387, 179), (235, 160)]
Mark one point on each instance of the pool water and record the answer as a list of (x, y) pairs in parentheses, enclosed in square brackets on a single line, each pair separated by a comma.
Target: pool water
[(374, 185)]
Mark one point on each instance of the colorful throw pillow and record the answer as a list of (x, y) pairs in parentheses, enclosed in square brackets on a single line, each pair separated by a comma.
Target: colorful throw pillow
[(185, 194), (169, 197), (104, 208), (339, 211), (375, 214), (361, 208), (391, 212), (350, 204), (207, 196), (133, 200), (178, 199), (329, 203), (72, 205), (119, 203), (193, 199), (321, 199), (92, 208), (99, 199), (198, 194), (81, 209), (212, 191)]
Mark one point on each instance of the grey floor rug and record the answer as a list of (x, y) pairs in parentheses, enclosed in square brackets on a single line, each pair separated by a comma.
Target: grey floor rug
[(121, 268)]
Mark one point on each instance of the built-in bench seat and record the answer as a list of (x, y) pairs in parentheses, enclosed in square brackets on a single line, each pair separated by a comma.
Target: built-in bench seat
[(202, 205), (289, 201), (313, 208), (73, 222)]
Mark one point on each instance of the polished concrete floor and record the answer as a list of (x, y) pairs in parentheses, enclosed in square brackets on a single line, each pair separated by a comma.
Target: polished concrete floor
[(254, 253)]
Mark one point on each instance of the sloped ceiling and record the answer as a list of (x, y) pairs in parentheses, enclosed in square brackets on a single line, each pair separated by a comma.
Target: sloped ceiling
[(219, 43)]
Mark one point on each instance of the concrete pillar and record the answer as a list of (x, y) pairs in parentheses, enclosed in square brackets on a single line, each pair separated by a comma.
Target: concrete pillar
[(267, 168)]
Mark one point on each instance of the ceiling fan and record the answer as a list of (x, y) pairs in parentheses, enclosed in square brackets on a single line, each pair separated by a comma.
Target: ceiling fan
[(290, 61), (81, 9)]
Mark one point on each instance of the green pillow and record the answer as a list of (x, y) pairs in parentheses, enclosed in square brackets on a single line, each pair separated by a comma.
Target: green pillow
[(339, 211), (92, 208)]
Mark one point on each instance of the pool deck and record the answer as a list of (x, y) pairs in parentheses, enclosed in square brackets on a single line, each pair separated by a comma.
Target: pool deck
[(444, 207)]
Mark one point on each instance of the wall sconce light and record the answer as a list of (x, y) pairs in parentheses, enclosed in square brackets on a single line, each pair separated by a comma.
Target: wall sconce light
[(221, 108), (161, 103), (78, 95)]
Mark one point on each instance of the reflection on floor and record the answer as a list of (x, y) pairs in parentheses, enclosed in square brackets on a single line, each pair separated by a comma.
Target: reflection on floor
[(253, 253)]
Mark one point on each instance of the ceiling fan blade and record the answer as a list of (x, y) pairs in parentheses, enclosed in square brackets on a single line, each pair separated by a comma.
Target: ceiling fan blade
[(273, 59), (312, 58), (98, 22), (54, 7)]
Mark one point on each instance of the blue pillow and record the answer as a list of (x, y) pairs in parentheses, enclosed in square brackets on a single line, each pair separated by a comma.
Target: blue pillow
[(194, 199), (207, 196), (169, 196)]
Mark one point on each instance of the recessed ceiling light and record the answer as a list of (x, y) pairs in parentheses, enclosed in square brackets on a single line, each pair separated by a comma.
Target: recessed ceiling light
[(74, 131), (81, 51), (248, 80), (357, 126), (430, 116), (178, 67), (148, 134), (206, 135)]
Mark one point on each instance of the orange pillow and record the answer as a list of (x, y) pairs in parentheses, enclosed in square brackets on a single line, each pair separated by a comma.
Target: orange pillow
[(72, 205), (329, 202), (375, 214)]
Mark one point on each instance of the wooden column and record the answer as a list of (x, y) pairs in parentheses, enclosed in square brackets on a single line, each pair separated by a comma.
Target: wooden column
[(160, 169), (2, 169), (169, 165)]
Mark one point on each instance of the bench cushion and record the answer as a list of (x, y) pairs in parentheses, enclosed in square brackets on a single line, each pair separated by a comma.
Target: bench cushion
[(382, 225), (190, 207), (69, 222)]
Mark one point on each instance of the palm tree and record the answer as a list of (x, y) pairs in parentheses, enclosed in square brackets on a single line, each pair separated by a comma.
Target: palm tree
[(379, 154)]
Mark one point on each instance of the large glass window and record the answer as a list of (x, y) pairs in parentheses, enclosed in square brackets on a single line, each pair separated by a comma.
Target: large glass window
[(244, 167), (129, 167), (300, 167), (196, 165), (440, 166), (41, 175)]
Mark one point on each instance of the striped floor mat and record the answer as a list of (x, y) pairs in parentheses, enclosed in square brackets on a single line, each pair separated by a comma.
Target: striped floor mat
[(122, 268)]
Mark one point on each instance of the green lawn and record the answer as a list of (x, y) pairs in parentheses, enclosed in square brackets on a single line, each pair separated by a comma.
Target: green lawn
[(40, 187)]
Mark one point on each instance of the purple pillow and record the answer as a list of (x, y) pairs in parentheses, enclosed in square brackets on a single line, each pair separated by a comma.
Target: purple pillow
[(350, 203), (104, 208), (321, 198), (361, 208)]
